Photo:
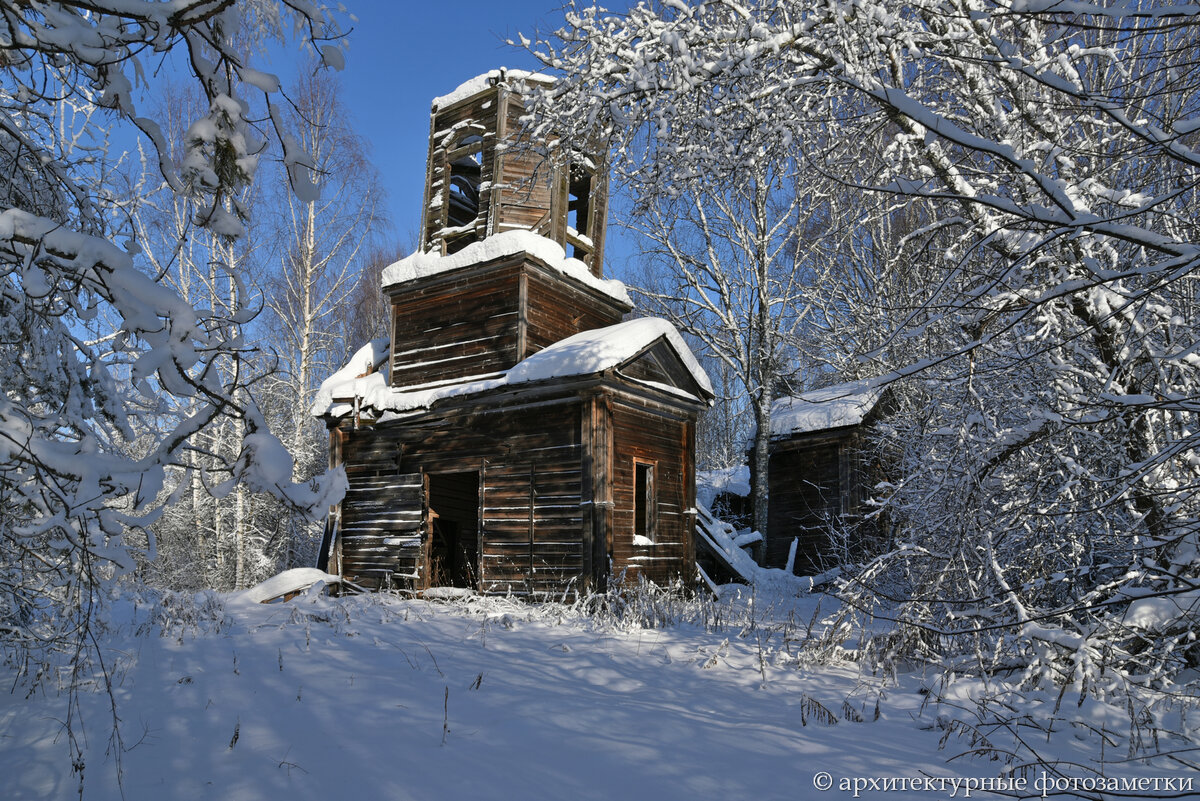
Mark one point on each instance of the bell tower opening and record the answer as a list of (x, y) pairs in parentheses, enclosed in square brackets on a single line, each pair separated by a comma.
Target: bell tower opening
[(465, 169), (485, 177), (579, 192)]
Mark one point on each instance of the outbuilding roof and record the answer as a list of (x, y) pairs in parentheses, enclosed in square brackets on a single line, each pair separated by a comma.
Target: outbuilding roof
[(821, 409)]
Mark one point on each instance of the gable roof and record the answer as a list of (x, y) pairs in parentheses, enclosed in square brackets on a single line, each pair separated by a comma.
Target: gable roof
[(600, 349), (822, 409), (586, 353), (659, 365)]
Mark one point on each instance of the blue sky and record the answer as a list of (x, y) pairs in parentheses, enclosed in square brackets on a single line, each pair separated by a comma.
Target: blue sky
[(403, 54)]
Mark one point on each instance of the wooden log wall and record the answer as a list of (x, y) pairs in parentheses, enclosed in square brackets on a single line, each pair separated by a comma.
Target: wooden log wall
[(532, 524), (665, 438), (808, 486), (555, 309), (381, 521), (466, 326), (485, 319)]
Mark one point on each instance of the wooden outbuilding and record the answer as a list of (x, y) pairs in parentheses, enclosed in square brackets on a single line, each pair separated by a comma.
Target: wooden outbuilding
[(516, 434), (820, 477)]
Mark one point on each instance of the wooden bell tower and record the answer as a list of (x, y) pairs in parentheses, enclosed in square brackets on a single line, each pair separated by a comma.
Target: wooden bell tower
[(484, 177)]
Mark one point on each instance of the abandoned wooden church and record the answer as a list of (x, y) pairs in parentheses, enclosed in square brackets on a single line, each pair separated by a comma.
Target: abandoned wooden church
[(514, 435)]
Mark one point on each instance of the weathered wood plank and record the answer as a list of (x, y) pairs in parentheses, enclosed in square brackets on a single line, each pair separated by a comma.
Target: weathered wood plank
[(640, 434)]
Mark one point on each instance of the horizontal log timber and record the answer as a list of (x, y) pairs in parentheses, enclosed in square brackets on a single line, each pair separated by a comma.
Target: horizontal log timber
[(552, 552), (382, 539), (356, 526), (385, 494)]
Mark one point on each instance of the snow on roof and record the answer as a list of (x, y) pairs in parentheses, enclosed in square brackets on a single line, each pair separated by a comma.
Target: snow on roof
[(601, 348), (383, 398), (729, 480), (582, 354), (350, 380), (490, 78), (820, 409), (508, 243)]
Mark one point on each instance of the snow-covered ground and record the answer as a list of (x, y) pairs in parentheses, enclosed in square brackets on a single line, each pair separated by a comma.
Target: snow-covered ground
[(385, 698)]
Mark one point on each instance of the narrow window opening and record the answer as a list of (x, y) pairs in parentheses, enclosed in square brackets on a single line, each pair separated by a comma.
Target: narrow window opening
[(466, 176), (579, 196), (645, 504)]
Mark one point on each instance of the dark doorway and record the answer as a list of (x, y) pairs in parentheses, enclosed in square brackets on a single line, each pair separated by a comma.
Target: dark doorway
[(454, 549)]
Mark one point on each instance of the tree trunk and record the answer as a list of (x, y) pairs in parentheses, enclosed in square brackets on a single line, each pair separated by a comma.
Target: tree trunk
[(759, 456)]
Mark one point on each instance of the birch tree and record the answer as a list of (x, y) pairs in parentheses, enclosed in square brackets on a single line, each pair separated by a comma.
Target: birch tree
[(90, 339), (728, 254), (366, 314), (324, 239), (203, 541), (1049, 498)]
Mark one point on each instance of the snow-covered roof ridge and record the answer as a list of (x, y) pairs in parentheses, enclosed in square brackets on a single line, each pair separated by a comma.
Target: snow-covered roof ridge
[(475, 85), (820, 409), (507, 243), (586, 353), (603, 348)]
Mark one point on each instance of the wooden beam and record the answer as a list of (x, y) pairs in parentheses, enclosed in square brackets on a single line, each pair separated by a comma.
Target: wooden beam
[(587, 491), (522, 315)]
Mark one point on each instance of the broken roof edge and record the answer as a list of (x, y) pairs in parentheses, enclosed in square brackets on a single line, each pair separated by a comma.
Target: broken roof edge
[(480, 83), (498, 246), (585, 354), (343, 383)]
